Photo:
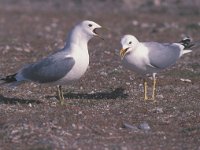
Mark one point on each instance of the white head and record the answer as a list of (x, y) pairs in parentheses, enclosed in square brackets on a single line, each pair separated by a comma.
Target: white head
[(84, 31), (89, 27), (129, 43)]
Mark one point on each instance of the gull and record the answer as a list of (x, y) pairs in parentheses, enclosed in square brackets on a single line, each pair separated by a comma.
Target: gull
[(147, 58), (63, 66)]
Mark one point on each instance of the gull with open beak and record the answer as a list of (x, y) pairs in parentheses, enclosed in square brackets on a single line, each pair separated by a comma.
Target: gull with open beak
[(151, 57), (62, 67)]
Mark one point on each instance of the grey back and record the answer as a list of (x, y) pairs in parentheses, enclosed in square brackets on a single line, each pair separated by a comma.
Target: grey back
[(49, 69), (162, 55)]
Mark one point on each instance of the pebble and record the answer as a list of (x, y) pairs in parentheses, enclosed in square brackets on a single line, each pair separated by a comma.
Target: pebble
[(18, 49), (158, 110), (27, 50), (129, 126), (53, 98), (135, 22), (54, 104), (144, 126), (103, 73), (145, 25), (80, 112), (73, 125), (160, 96), (185, 80), (7, 47), (48, 28)]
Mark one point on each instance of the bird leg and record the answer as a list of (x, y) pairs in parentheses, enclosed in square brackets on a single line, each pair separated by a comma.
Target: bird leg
[(145, 89), (60, 94), (154, 87)]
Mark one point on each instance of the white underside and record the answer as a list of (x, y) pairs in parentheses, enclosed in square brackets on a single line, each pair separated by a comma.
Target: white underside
[(138, 61), (78, 70)]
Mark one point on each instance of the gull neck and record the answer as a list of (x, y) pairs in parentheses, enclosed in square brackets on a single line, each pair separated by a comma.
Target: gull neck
[(77, 37)]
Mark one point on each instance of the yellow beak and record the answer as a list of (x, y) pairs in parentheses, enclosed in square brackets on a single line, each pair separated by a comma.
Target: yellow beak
[(123, 52)]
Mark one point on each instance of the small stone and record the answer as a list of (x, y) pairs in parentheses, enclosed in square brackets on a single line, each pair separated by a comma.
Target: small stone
[(29, 92), (34, 85), (78, 134), (53, 98), (186, 80), (135, 22), (145, 25), (80, 112), (80, 127), (128, 126), (27, 50), (54, 25), (107, 52), (7, 47), (103, 73), (18, 49), (158, 110), (160, 96), (140, 85), (144, 126), (54, 104), (48, 28), (73, 125)]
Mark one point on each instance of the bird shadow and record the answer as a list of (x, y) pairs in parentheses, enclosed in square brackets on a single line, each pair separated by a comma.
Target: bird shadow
[(114, 94), (14, 101)]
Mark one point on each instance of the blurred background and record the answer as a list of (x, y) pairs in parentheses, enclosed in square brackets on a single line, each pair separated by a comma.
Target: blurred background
[(90, 7)]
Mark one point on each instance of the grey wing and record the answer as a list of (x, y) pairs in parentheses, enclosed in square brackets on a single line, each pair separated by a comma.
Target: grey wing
[(162, 55), (49, 69)]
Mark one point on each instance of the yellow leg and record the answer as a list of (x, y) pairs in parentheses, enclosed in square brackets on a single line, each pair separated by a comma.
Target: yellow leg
[(60, 94), (154, 87), (145, 90)]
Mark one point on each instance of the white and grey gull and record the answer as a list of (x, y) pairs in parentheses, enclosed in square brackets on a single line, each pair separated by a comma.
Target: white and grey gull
[(147, 58), (62, 67)]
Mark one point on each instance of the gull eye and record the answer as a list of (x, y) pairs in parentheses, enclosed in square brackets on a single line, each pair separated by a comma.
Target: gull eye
[(90, 25), (130, 42)]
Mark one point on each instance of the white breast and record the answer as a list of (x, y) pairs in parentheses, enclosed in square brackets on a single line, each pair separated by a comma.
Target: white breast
[(81, 64), (137, 60)]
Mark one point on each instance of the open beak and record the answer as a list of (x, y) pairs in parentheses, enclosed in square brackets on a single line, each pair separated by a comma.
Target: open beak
[(123, 52), (96, 34)]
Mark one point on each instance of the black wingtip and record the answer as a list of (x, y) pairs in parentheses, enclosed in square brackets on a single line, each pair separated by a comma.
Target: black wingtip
[(9, 79), (186, 42)]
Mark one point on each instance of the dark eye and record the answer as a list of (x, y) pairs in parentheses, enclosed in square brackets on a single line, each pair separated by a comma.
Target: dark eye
[(90, 25), (130, 43)]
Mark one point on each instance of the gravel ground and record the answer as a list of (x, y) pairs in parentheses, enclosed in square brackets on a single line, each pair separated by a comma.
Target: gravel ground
[(105, 109)]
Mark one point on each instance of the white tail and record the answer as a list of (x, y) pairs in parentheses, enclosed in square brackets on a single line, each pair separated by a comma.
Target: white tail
[(186, 51)]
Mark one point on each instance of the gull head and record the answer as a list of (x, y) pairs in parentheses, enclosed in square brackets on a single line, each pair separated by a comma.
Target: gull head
[(129, 43), (89, 28)]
